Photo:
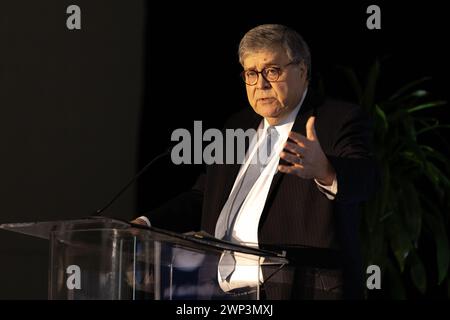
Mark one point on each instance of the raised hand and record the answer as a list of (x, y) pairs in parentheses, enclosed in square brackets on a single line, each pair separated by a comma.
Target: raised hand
[(306, 156)]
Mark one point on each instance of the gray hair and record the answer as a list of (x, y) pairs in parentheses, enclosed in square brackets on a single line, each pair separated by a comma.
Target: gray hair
[(270, 35)]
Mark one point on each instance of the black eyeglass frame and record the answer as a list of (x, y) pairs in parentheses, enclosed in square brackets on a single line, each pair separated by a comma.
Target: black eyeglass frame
[(264, 73)]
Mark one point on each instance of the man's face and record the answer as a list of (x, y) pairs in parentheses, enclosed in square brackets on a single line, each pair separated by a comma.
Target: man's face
[(275, 100)]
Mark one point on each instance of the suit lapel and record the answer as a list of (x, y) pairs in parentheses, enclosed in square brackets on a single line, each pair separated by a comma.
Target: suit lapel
[(306, 110)]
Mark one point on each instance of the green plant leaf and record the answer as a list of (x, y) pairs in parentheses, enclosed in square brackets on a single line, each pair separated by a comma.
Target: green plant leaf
[(437, 178), (380, 113), (418, 273), (414, 154), (374, 244), (392, 279), (432, 128), (408, 86), (397, 217), (412, 211), (399, 240), (434, 154), (427, 106)]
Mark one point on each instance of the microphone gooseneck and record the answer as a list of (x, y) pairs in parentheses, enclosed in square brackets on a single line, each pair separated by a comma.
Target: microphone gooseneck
[(137, 175)]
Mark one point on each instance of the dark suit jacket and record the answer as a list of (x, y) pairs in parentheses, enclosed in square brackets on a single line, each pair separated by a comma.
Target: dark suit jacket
[(296, 213)]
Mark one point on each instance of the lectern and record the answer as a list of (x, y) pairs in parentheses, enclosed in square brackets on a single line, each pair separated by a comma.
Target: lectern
[(104, 258)]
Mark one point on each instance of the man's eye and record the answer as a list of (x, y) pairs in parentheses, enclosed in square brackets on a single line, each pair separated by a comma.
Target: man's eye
[(272, 72), (250, 74)]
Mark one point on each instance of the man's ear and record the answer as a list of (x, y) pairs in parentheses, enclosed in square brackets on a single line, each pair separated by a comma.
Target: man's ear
[(303, 70)]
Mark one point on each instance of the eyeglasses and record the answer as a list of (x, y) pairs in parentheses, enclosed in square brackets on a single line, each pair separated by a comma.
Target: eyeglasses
[(270, 74)]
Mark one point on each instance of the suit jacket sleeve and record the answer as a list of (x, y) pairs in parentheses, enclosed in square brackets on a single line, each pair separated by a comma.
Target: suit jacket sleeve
[(352, 158)]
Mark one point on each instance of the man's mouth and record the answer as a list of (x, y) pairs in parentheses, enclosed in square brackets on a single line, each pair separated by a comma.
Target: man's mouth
[(266, 100)]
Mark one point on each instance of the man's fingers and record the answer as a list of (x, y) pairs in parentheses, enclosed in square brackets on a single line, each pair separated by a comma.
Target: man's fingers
[(295, 148), (294, 159), (139, 221), (298, 138), (310, 129), (286, 169), (295, 170)]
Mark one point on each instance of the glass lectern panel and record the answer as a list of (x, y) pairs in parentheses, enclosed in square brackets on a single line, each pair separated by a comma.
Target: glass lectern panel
[(104, 258)]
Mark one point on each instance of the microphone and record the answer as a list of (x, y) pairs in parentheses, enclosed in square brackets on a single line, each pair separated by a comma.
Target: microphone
[(136, 176)]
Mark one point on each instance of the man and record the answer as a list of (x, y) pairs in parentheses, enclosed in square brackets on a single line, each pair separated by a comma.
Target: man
[(318, 170)]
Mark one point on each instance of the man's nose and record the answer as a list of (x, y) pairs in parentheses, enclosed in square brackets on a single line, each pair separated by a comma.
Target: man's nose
[(262, 83)]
